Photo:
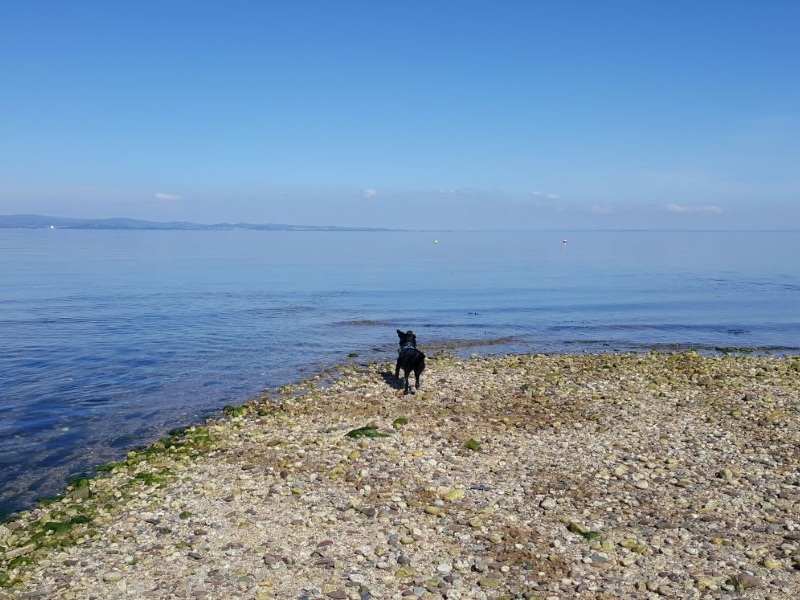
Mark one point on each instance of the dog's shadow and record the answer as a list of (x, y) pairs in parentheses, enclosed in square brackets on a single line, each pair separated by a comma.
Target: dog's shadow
[(396, 383)]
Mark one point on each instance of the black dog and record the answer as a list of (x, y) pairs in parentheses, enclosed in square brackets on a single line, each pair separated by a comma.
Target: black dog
[(409, 358)]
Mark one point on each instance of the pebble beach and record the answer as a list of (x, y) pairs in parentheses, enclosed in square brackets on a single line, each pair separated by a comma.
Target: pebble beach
[(660, 475)]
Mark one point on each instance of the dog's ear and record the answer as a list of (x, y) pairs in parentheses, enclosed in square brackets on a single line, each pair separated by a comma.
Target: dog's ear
[(400, 334)]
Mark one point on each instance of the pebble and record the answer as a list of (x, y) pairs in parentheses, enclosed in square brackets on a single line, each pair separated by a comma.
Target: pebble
[(548, 504), (405, 572)]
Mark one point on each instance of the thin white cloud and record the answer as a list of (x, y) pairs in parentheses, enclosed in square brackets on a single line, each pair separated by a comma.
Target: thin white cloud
[(370, 193), (167, 197), (461, 191), (682, 209), (545, 195), (601, 210)]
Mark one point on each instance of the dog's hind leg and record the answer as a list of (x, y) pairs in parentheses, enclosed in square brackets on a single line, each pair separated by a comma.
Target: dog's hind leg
[(417, 375), (404, 380)]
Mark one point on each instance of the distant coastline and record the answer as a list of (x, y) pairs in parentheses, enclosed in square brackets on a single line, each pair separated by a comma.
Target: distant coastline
[(125, 224), (45, 222)]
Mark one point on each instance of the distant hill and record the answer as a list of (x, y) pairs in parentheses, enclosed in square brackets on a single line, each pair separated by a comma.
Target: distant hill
[(43, 222)]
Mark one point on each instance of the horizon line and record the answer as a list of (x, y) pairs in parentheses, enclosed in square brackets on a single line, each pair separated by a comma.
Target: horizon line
[(361, 228)]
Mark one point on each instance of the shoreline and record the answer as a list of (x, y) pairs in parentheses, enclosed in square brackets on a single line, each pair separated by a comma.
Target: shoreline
[(541, 476)]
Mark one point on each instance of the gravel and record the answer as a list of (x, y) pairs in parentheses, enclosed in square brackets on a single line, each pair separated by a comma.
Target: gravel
[(537, 476)]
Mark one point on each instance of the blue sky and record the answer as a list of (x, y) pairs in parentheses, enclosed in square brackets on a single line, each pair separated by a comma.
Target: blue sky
[(422, 114)]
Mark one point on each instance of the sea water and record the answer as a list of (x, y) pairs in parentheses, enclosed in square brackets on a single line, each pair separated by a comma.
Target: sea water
[(109, 339)]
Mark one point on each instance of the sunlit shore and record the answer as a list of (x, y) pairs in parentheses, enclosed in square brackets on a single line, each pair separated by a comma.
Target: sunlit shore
[(534, 476)]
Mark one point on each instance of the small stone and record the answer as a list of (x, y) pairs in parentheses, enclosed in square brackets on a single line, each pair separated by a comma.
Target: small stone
[(772, 564), (628, 561), (576, 527), (112, 576), (21, 551), (548, 503), (666, 591), (745, 581), (433, 510), (489, 582), (598, 559), (405, 572), (706, 583), (271, 560), (444, 569), (453, 495)]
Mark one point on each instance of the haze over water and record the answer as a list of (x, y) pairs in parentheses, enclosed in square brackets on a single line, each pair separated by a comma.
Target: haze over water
[(112, 338)]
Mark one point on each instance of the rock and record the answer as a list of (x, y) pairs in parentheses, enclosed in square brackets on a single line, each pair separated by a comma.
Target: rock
[(21, 551), (453, 495), (666, 591), (405, 572), (703, 583), (112, 576), (576, 527), (745, 581), (444, 568), (548, 503)]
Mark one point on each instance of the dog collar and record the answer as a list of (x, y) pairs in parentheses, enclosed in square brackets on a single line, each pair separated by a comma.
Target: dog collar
[(406, 347)]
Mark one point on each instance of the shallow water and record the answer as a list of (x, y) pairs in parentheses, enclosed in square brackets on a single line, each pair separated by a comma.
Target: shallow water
[(111, 338)]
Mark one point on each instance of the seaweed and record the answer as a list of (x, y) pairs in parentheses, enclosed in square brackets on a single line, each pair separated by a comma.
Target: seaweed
[(365, 432), (473, 445)]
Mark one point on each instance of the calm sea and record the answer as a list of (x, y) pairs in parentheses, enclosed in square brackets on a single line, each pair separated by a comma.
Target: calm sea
[(112, 338)]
